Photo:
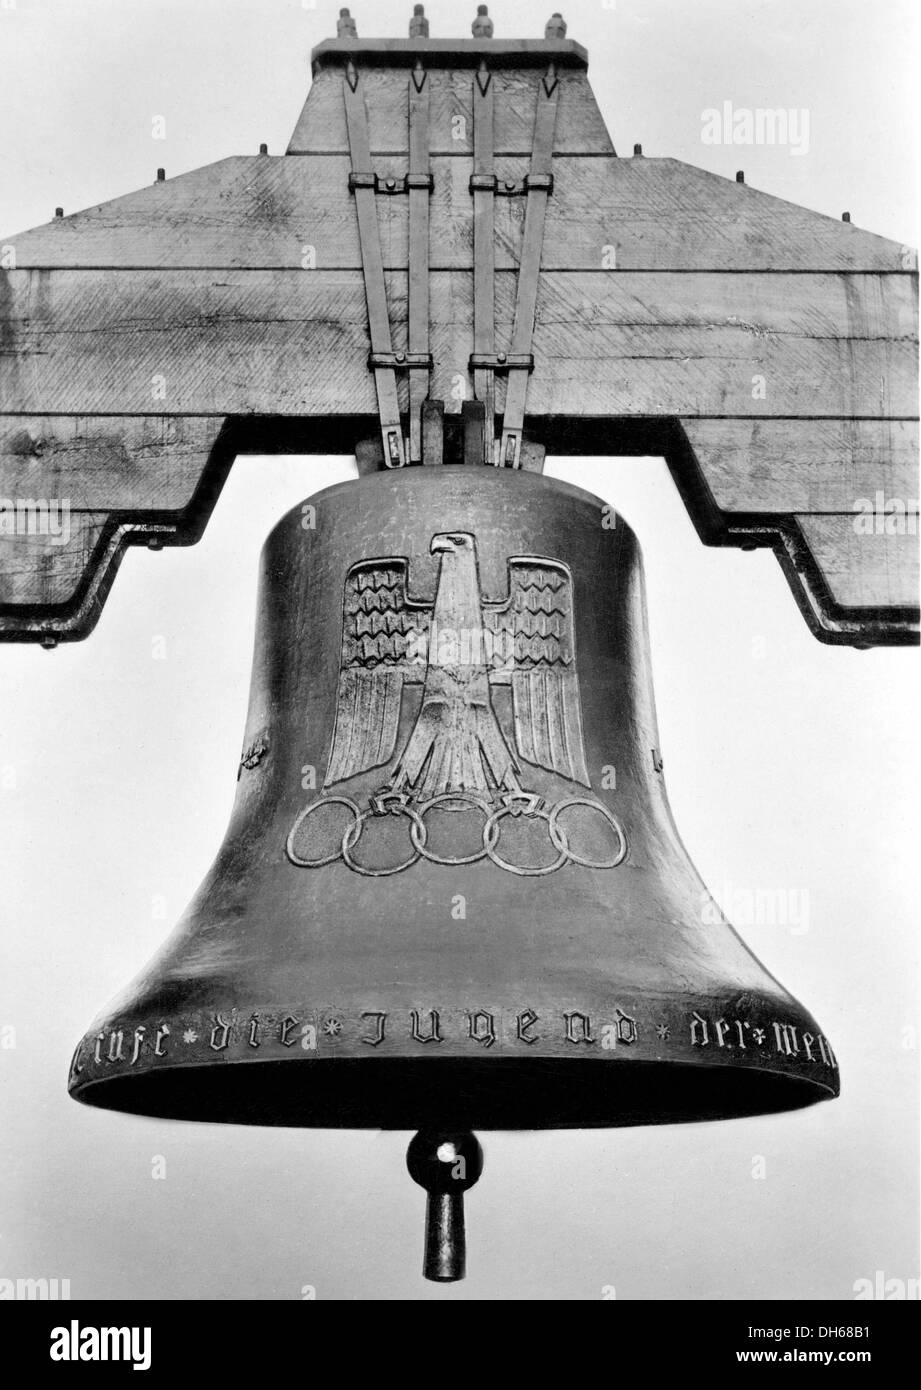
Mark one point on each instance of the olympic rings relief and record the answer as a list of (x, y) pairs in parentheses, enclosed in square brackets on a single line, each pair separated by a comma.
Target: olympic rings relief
[(528, 808)]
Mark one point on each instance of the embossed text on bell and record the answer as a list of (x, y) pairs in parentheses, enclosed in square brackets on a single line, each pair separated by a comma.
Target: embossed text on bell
[(452, 687), (461, 691), (474, 658), (460, 652)]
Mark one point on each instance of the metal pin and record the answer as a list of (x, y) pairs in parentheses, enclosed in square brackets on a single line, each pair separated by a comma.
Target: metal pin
[(740, 176), (482, 27), (161, 175), (263, 149), (346, 28), (637, 149), (59, 212), (845, 217)]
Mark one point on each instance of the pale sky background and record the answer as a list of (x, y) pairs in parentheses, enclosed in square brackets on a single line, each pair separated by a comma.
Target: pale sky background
[(790, 765)]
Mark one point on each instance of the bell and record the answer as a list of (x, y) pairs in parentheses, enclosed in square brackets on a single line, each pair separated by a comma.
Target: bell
[(452, 894)]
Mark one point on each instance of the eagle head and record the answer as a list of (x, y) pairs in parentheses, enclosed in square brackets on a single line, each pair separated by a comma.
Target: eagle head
[(452, 541)]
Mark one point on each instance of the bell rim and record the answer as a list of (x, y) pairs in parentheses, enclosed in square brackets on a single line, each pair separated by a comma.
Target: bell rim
[(498, 1093)]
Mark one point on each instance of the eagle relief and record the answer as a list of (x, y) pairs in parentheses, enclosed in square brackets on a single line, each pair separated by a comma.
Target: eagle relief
[(499, 694)]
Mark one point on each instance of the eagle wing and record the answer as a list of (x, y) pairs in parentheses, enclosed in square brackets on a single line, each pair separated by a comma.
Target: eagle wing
[(534, 651), (384, 646)]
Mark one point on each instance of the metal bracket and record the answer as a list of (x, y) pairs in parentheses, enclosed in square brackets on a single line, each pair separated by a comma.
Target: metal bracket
[(535, 183), (390, 184), (363, 185), (383, 360), (510, 188), (419, 184), (540, 185), (401, 360), (394, 447), (502, 361), (483, 188)]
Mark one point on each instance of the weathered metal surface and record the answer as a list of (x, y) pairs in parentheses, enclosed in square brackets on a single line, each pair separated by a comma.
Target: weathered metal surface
[(452, 693)]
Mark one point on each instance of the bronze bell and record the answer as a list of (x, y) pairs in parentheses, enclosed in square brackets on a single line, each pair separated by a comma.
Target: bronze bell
[(452, 893)]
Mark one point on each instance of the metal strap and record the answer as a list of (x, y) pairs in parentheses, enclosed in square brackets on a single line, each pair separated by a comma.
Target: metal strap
[(539, 185), (483, 186), (419, 185), (388, 404)]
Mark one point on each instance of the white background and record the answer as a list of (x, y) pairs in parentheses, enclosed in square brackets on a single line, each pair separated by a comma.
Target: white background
[(790, 765)]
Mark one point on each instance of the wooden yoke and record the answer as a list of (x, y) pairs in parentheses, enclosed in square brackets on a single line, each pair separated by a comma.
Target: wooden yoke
[(300, 304)]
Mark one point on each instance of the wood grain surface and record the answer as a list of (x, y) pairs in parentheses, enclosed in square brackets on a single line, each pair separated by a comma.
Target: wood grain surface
[(261, 213), (768, 352)]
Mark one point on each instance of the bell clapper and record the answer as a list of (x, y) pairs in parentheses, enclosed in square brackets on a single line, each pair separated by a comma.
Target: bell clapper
[(446, 1163)]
